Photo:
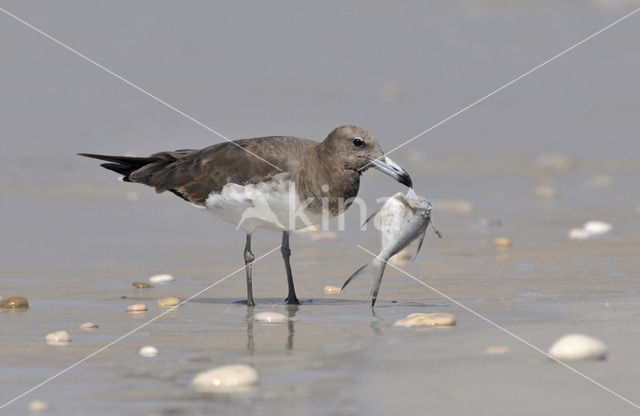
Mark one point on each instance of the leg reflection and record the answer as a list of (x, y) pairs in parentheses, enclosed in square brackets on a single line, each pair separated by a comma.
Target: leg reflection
[(291, 312), (375, 323), (251, 346), (291, 309)]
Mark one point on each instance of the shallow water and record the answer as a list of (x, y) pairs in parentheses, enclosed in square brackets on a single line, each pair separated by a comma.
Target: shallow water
[(73, 239)]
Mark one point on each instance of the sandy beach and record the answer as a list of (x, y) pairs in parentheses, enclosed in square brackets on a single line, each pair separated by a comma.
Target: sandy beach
[(546, 155)]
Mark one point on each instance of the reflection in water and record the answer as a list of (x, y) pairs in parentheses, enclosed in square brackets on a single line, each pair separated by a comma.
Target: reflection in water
[(375, 322), (291, 310), (251, 347)]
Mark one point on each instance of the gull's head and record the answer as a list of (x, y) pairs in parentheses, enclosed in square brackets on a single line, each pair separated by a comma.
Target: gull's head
[(359, 150)]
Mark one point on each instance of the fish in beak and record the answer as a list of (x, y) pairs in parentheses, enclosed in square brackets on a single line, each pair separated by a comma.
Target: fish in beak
[(392, 169)]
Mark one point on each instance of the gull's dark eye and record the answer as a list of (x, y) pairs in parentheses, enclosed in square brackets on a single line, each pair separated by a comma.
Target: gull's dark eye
[(358, 141)]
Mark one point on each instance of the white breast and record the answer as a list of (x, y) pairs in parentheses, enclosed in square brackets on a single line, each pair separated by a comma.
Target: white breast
[(272, 205)]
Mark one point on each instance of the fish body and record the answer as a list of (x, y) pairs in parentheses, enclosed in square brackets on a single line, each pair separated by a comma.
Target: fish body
[(402, 219)]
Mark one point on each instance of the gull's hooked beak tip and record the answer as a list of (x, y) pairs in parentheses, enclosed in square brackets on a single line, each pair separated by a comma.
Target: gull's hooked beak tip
[(405, 179), (391, 168)]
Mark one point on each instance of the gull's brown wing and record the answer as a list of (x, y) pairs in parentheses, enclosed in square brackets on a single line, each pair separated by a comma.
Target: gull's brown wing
[(194, 174)]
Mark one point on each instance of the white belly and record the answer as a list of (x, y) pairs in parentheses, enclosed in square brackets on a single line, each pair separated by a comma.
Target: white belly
[(273, 205)]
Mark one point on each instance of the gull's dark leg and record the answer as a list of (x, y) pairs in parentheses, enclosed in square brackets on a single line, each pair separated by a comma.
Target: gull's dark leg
[(292, 299), (248, 259)]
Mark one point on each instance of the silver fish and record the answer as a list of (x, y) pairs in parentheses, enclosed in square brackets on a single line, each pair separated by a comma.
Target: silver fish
[(402, 219)]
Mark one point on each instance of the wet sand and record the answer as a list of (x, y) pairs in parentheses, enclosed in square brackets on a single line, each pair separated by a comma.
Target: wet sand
[(74, 240), (338, 356)]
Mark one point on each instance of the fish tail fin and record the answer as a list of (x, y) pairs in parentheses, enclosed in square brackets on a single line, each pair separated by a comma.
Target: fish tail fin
[(375, 269), (377, 266), (353, 276)]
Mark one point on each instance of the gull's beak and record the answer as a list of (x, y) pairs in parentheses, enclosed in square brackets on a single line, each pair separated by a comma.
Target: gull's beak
[(392, 169)]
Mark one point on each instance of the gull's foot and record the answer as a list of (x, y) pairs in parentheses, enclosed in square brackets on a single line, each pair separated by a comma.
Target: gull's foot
[(292, 300)]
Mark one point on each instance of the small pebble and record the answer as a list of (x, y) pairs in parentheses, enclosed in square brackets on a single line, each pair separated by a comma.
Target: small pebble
[(597, 227), (461, 207), (270, 317), (15, 302), (427, 319), (600, 181), (169, 302), (332, 290), (553, 162), (140, 285), (148, 351), (578, 234), (401, 258), (227, 379), (496, 349), (138, 307), (88, 326), (578, 347), (39, 406), (324, 236), (58, 338), (545, 192), (502, 242), (161, 278)]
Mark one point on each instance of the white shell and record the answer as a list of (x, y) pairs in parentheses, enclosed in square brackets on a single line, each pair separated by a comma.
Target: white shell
[(578, 347), (138, 307), (39, 406), (148, 351), (270, 317), (427, 319), (502, 242), (161, 278), (597, 227), (58, 338), (169, 302), (332, 290), (88, 326), (228, 378), (578, 234), (496, 349)]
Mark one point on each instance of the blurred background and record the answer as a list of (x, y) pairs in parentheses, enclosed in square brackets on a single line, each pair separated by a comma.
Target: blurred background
[(251, 69), (544, 155)]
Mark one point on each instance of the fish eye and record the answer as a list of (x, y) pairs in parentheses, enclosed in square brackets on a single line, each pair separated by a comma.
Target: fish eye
[(357, 141)]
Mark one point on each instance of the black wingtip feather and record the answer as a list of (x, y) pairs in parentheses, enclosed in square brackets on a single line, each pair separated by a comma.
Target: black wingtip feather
[(121, 169), (124, 165), (123, 160)]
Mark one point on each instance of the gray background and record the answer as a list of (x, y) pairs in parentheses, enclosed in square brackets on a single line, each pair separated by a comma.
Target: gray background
[(72, 237)]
